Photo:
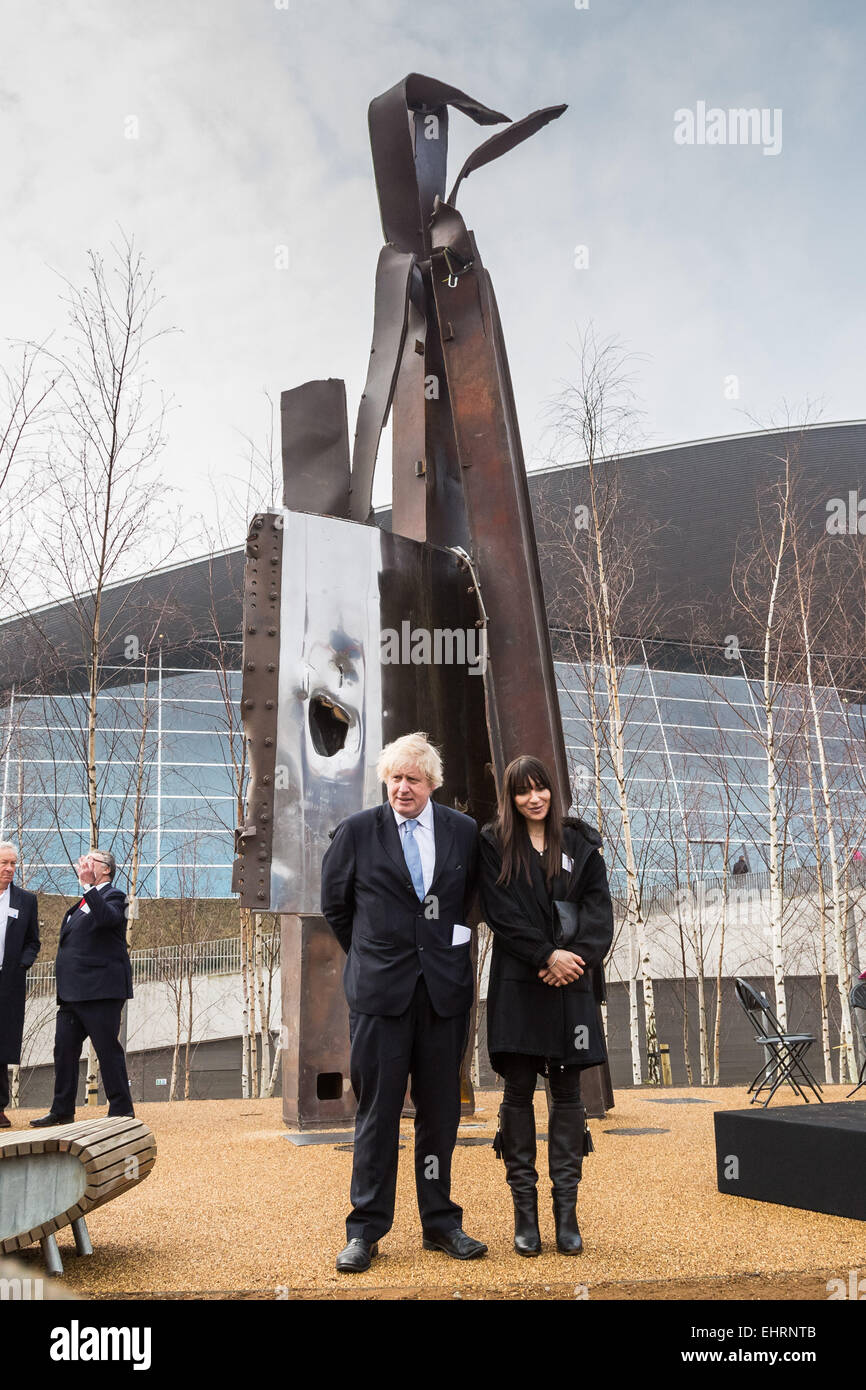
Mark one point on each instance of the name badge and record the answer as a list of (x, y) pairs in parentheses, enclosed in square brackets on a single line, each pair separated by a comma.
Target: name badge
[(567, 864), (13, 911)]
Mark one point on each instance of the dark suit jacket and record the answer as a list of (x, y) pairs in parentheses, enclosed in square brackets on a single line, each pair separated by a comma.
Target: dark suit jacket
[(92, 958), (22, 948), (388, 934)]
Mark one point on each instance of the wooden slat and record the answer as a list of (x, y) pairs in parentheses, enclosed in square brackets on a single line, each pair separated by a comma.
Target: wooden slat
[(116, 1155), (93, 1147), (97, 1185)]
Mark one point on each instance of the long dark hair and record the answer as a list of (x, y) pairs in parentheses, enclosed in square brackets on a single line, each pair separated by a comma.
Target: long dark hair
[(521, 775)]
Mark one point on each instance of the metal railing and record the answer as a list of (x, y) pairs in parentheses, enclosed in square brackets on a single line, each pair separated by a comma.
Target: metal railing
[(220, 957)]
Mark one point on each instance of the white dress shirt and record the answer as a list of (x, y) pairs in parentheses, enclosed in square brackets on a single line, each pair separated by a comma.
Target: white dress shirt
[(425, 839), (5, 897)]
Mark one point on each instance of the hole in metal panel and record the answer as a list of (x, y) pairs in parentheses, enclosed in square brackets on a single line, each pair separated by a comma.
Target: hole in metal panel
[(329, 1085), (329, 724)]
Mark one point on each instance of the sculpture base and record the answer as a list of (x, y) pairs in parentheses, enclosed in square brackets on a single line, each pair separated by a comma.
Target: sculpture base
[(317, 1092)]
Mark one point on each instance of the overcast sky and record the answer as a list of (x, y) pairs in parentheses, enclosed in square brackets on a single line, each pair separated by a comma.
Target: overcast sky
[(711, 261)]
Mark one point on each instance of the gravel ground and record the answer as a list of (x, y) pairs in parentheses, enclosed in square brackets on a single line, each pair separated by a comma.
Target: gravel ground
[(233, 1209)]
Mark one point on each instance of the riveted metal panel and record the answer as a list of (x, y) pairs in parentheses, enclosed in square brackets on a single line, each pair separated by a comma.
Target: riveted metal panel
[(341, 586), (251, 875)]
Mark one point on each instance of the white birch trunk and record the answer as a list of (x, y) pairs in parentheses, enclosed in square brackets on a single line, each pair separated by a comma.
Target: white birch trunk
[(847, 1056), (275, 1069), (703, 1031), (92, 1085), (175, 1054), (633, 913), (717, 1025), (245, 996), (822, 921), (189, 1028), (253, 1048), (776, 905), (264, 1019)]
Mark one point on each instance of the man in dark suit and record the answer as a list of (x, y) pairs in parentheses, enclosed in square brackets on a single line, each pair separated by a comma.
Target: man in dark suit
[(398, 882), (19, 947), (94, 980)]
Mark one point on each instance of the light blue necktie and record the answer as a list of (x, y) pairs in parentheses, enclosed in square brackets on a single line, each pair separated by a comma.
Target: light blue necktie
[(412, 855)]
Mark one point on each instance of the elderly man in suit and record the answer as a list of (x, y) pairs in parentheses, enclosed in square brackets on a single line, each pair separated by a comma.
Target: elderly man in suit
[(398, 882), (94, 980), (19, 947)]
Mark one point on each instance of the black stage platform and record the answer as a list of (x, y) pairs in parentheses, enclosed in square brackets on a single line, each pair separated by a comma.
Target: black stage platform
[(809, 1156)]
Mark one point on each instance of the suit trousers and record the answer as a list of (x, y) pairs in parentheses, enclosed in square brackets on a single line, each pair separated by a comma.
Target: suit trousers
[(385, 1053), (99, 1020), (4, 1085)]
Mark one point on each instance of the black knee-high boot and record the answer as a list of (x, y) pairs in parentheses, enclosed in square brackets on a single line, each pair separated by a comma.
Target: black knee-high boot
[(565, 1150), (517, 1147)]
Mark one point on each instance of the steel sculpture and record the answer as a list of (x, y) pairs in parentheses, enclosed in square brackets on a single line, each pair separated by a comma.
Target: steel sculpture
[(322, 691)]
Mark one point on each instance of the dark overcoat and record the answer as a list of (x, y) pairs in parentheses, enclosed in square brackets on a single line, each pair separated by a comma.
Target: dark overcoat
[(92, 957), (22, 948), (525, 1015)]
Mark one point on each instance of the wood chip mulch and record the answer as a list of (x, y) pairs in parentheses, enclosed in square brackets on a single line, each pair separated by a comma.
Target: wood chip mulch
[(232, 1209)]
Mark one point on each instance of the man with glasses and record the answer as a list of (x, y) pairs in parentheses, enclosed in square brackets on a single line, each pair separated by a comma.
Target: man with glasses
[(94, 980)]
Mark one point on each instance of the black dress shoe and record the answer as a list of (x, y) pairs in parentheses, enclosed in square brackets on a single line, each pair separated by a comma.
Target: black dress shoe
[(5, 1122), (357, 1256), (457, 1244), (51, 1120)]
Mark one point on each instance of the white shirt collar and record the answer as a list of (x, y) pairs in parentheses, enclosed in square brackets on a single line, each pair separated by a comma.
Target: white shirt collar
[(425, 818)]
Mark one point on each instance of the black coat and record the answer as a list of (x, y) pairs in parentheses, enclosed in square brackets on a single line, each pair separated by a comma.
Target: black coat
[(387, 933), (22, 948), (92, 958), (525, 1015)]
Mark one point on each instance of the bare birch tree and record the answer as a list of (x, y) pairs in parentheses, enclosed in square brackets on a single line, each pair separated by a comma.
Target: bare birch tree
[(593, 418), (107, 506)]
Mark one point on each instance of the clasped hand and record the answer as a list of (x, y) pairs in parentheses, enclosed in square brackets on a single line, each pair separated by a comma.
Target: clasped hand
[(562, 968)]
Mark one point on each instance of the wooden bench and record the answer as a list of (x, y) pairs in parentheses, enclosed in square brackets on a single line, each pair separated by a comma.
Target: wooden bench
[(52, 1178)]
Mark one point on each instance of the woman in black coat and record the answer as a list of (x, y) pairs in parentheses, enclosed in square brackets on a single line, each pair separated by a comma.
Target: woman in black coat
[(542, 1016)]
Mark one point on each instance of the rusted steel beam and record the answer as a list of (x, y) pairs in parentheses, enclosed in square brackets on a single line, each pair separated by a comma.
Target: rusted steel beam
[(315, 448), (393, 284), (520, 670), (409, 139)]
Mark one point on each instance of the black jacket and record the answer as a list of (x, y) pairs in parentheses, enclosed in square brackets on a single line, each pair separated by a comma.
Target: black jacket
[(92, 958), (387, 933), (22, 948), (524, 1014)]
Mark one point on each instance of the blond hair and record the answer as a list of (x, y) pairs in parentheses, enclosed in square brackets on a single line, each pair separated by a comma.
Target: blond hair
[(412, 748)]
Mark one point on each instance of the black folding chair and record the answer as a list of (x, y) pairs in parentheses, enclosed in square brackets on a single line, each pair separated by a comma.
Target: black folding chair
[(858, 1001), (784, 1052)]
